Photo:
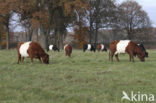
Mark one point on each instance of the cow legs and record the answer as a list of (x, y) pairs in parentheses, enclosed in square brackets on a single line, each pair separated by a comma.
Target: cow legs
[(31, 56), (112, 54), (69, 55), (31, 59), (84, 50), (22, 59), (66, 53), (131, 57), (40, 59), (19, 58), (94, 50), (117, 58)]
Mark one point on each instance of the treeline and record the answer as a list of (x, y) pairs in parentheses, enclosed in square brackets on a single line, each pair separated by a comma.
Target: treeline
[(87, 17)]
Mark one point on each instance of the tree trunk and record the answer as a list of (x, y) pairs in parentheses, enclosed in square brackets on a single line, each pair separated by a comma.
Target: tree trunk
[(58, 39), (43, 41), (62, 39), (30, 33), (0, 40), (90, 29), (37, 35), (129, 34), (55, 37), (34, 33), (7, 39), (90, 35), (26, 36), (96, 36), (44, 38)]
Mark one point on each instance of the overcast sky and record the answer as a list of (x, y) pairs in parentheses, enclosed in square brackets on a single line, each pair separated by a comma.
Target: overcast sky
[(149, 6)]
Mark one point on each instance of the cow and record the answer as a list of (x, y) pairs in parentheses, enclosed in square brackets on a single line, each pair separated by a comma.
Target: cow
[(88, 47), (143, 49), (54, 48), (101, 47), (68, 50), (125, 46), (32, 50)]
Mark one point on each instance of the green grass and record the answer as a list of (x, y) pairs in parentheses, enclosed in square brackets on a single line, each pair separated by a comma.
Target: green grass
[(84, 78)]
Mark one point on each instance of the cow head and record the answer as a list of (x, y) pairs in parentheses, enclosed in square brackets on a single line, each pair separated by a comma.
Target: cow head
[(141, 56), (141, 46), (146, 54), (45, 58)]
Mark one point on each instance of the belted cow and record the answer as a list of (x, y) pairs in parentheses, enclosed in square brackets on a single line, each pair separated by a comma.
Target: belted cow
[(32, 50), (101, 47), (126, 46), (68, 50)]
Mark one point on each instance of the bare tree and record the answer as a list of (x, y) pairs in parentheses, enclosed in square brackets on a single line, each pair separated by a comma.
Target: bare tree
[(133, 19), (101, 15)]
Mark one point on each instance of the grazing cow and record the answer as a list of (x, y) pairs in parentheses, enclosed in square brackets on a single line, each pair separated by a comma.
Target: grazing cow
[(126, 46), (101, 47), (68, 50), (54, 48), (88, 47), (32, 50), (143, 49)]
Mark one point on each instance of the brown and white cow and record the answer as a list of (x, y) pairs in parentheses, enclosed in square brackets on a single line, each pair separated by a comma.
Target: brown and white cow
[(68, 50), (32, 50), (101, 47), (126, 46)]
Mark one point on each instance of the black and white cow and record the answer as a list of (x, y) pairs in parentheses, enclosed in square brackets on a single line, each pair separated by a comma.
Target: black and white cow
[(54, 48), (88, 47), (143, 49)]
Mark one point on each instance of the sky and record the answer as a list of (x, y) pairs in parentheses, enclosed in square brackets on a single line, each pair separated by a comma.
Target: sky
[(149, 6)]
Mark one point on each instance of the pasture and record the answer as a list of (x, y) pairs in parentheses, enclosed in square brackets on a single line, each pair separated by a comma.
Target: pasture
[(84, 78)]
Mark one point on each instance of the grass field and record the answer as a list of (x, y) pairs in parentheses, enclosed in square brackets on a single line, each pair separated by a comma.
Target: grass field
[(84, 78)]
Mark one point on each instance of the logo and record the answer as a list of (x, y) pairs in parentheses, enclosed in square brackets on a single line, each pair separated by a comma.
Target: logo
[(137, 97)]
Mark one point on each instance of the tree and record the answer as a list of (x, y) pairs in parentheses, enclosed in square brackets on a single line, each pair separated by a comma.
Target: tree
[(34, 16), (69, 13), (50, 16), (80, 34), (1, 32), (132, 18), (28, 17), (101, 15), (7, 7)]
